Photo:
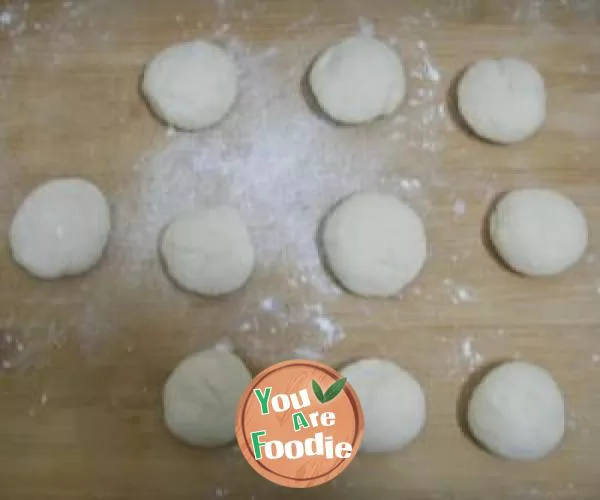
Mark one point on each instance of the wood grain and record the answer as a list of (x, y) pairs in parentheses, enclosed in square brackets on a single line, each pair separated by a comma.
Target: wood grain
[(80, 412)]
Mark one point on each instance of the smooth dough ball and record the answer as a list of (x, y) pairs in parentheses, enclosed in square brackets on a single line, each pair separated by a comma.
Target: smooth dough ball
[(392, 401), (374, 244), (200, 397), (538, 232), (191, 85), (60, 229), (208, 251), (502, 100), (517, 412), (358, 80)]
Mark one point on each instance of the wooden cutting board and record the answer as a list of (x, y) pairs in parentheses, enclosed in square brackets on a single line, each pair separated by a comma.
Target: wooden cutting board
[(84, 359)]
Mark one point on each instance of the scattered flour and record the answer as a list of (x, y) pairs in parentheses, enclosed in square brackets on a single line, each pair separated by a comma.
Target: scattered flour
[(459, 208), (283, 176), (225, 345), (458, 293), (6, 18), (282, 167), (462, 358), (470, 355), (365, 27)]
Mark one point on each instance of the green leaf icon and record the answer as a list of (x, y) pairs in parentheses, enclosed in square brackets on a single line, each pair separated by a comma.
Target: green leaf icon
[(318, 391), (334, 389), (331, 393)]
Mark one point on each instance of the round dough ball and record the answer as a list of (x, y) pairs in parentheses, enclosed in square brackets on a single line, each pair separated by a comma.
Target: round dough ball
[(358, 80), (374, 244), (191, 85), (200, 397), (392, 401), (517, 412), (502, 100), (208, 251), (60, 229), (538, 232)]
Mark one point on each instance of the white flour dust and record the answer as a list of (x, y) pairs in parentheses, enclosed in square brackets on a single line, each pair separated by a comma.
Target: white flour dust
[(460, 207), (470, 356), (459, 294), (283, 167), (463, 358), (274, 159), (279, 163)]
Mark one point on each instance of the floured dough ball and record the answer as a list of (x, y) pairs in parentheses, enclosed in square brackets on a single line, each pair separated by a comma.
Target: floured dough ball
[(200, 397), (502, 100), (374, 244), (538, 232), (517, 412), (392, 401), (191, 85), (358, 80), (208, 251), (60, 229)]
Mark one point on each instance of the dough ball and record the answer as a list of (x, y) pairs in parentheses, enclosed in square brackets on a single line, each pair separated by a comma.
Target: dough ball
[(538, 232), (358, 80), (502, 100), (392, 401), (374, 244), (191, 85), (201, 396), (517, 412), (208, 251), (60, 229)]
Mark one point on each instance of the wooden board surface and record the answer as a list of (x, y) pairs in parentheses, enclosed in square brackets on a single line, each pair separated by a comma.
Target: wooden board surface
[(83, 360)]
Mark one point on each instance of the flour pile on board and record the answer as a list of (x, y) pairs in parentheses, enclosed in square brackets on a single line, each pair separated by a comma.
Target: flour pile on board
[(283, 167)]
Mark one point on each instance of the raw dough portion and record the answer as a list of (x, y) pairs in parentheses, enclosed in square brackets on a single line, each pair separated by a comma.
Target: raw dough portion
[(191, 85), (502, 100), (358, 80), (200, 397), (374, 244), (392, 401), (517, 412), (60, 229), (208, 251), (538, 232)]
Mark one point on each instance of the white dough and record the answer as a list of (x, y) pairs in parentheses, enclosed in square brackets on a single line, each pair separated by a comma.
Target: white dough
[(502, 100), (374, 244), (392, 401), (200, 397), (538, 232), (358, 80), (517, 412), (208, 251), (60, 229), (191, 85)]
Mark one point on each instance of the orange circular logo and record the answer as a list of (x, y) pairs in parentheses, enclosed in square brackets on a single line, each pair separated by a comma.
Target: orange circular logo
[(299, 424)]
